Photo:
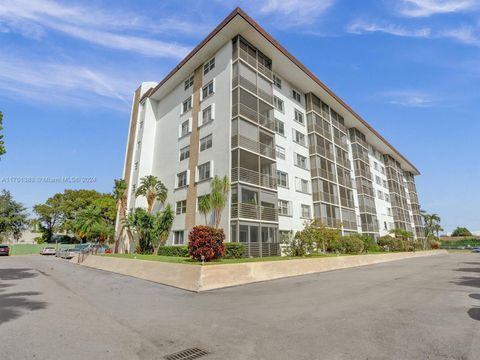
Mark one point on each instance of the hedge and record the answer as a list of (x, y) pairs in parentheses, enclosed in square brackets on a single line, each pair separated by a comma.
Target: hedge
[(181, 251), (234, 250)]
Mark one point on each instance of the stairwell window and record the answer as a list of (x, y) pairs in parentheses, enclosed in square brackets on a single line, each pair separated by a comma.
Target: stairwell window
[(189, 82), (181, 207), (185, 128), (279, 127), (280, 152), (206, 142), (207, 115), (296, 96), (185, 153), (187, 105), (207, 90), (178, 237), (208, 66), (182, 179), (204, 171), (278, 104), (306, 212)]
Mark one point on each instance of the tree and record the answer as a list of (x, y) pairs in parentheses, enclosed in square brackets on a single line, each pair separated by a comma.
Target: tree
[(461, 231), (120, 196), (2, 143), (219, 197), (13, 216), (401, 234), (153, 190), (431, 227), (205, 206), (162, 226), (94, 223)]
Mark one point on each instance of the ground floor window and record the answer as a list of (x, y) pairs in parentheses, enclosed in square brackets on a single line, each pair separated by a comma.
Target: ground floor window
[(253, 232), (178, 237)]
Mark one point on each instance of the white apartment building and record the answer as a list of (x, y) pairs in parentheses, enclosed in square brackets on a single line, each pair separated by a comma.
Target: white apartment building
[(241, 105)]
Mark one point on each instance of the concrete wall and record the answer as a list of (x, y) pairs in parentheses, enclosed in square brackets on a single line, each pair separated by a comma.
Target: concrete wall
[(209, 277)]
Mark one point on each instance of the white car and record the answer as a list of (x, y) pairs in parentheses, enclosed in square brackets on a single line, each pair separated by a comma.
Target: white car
[(48, 251)]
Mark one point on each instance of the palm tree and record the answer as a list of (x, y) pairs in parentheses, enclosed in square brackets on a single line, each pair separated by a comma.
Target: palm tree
[(219, 197), (120, 196), (431, 222), (89, 224), (401, 233), (205, 206), (153, 190), (162, 226)]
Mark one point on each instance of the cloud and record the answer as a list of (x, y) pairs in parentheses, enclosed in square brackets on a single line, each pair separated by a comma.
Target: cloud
[(465, 34), (108, 29), (409, 98), (295, 12), (361, 27), (51, 81), (425, 8)]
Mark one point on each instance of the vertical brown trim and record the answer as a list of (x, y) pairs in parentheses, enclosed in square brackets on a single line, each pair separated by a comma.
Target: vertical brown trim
[(190, 216)]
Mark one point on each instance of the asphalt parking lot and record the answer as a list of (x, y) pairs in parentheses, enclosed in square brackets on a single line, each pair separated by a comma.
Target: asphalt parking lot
[(423, 308)]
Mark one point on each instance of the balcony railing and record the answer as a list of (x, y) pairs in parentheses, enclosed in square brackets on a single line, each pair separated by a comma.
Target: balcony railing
[(344, 162), (319, 172), (347, 202), (318, 110), (345, 181), (342, 142), (356, 139), (255, 212), (250, 86), (252, 61), (253, 115), (315, 149), (253, 145), (253, 177), (324, 196), (319, 130)]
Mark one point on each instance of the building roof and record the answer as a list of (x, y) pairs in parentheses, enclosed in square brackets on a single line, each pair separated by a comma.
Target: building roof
[(238, 21)]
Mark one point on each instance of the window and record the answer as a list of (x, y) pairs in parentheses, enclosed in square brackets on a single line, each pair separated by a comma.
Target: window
[(181, 207), (382, 170), (134, 188), (207, 90), (187, 105), (385, 183), (299, 138), (375, 164), (136, 165), (199, 199), (296, 96), (178, 237), (301, 161), (302, 185), (387, 197), (141, 124), (378, 180), (185, 128), (139, 142), (299, 117), (280, 152), (184, 153), (206, 142), (207, 115), (278, 104), (380, 195), (189, 82), (285, 236), (282, 179), (306, 214), (283, 208), (279, 127), (277, 81), (208, 66), (182, 179), (204, 171), (389, 211)]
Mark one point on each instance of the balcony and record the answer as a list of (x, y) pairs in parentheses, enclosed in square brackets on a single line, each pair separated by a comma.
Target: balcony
[(343, 162), (319, 130), (347, 202), (253, 62), (254, 212), (253, 115), (315, 149), (325, 196), (341, 142), (358, 155), (253, 145), (253, 177), (319, 172), (250, 86), (345, 181), (358, 140)]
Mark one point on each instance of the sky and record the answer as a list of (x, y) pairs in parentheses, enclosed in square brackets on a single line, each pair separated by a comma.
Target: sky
[(68, 70)]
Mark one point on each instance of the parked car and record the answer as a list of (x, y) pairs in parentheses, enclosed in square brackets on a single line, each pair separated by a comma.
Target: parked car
[(69, 253), (4, 250), (48, 250), (59, 251), (476, 249)]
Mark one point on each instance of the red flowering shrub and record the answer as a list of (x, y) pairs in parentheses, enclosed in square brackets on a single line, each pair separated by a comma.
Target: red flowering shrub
[(206, 241)]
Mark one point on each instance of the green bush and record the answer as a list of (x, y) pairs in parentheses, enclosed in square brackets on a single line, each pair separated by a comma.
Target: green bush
[(39, 240), (181, 251), (234, 250), (352, 244), (395, 244)]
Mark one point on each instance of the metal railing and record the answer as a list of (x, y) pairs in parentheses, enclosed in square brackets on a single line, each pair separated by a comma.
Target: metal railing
[(316, 149), (252, 61), (253, 145), (324, 196), (255, 212), (253, 177), (319, 172), (253, 115)]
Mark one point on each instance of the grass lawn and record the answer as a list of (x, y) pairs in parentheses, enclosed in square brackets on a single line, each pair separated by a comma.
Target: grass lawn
[(185, 260), (28, 249)]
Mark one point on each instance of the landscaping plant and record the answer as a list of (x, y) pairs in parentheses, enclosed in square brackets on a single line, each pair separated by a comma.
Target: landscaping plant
[(206, 243)]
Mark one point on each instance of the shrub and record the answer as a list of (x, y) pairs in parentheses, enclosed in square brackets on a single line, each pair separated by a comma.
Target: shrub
[(352, 244), (434, 244), (234, 250), (181, 251), (39, 240), (207, 242), (395, 244)]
